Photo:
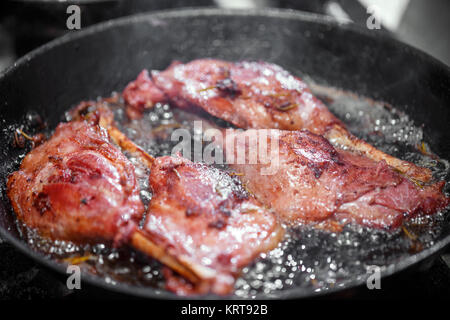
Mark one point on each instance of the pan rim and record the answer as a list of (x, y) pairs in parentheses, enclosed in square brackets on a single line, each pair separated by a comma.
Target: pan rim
[(148, 292), (57, 2)]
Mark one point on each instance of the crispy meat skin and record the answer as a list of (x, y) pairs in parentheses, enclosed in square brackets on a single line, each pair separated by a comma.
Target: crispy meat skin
[(247, 94), (76, 186), (315, 181), (251, 95), (203, 217), (141, 94), (213, 205)]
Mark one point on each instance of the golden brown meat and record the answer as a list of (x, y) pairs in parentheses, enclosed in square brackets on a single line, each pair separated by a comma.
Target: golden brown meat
[(251, 95)]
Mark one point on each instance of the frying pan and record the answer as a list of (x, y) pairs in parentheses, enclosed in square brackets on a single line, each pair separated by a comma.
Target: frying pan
[(103, 58), (35, 22)]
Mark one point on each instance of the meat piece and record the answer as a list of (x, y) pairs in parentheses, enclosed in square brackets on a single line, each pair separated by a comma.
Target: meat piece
[(253, 95), (77, 186), (162, 241), (97, 113), (141, 94), (311, 181), (247, 94), (205, 219)]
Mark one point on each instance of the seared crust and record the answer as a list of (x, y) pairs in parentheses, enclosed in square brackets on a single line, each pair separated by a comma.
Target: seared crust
[(314, 182), (76, 186), (257, 95), (204, 218)]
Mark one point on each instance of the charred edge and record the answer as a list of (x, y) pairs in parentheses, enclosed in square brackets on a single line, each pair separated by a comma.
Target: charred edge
[(191, 212), (224, 210), (42, 203), (218, 224), (228, 87)]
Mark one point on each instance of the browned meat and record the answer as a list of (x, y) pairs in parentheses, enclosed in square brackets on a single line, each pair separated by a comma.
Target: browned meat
[(141, 94), (201, 223), (251, 95), (205, 219), (77, 186), (97, 113), (314, 181)]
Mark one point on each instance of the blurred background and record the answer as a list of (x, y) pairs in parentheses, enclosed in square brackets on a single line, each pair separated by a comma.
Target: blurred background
[(27, 24)]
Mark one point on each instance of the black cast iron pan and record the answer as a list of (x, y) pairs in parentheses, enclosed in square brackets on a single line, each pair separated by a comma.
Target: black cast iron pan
[(35, 22), (103, 58)]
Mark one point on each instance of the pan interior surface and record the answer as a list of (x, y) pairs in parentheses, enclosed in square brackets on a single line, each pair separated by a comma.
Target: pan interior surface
[(103, 59)]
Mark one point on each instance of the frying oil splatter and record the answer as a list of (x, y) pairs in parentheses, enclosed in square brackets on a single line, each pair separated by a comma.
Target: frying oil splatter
[(309, 259)]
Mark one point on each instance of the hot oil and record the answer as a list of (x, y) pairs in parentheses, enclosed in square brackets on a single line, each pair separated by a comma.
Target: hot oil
[(110, 264), (316, 260), (388, 129), (311, 259)]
